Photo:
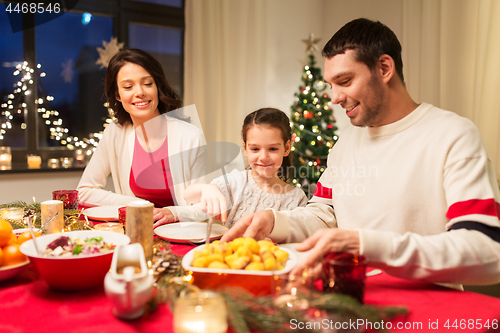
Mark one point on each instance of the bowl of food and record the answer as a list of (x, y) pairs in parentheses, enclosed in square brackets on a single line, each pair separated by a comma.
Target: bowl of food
[(74, 260), (243, 263)]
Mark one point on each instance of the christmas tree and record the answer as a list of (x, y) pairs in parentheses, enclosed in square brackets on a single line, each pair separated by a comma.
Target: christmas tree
[(313, 125)]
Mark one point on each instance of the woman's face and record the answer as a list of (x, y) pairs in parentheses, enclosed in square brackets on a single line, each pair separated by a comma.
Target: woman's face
[(138, 93)]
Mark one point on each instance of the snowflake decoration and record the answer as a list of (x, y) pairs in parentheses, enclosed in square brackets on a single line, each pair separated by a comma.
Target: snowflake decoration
[(67, 72), (108, 51)]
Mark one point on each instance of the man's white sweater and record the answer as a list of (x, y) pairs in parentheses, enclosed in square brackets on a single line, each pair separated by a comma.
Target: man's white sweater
[(421, 192)]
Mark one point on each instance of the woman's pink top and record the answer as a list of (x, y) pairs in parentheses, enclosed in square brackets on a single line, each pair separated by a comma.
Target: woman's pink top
[(150, 177)]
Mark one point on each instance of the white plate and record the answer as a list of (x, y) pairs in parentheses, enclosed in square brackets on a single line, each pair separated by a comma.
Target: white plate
[(8, 272), (102, 213), (21, 230), (188, 259), (189, 232)]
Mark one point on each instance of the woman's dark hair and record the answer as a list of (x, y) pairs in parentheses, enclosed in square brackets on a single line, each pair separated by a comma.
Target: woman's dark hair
[(370, 40), (168, 99), (274, 118)]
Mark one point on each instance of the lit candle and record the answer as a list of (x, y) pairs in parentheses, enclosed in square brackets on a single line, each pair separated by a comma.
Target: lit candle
[(79, 156), (48, 209), (110, 226), (13, 213), (202, 312), (5, 158), (34, 161), (66, 162), (140, 222), (53, 163)]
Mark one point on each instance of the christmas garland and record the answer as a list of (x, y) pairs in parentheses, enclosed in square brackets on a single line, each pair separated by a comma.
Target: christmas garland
[(247, 313)]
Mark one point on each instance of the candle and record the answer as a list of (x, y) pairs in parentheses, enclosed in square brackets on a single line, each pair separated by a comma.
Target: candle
[(34, 161), (79, 156), (68, 197), (110, 226), (5, 158), (140, 221), (13, 213), (48, 210), (202, 312), (66, 162), (53, 163)]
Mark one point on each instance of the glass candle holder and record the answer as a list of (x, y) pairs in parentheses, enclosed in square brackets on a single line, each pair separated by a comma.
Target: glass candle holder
[(79, 156), (13, 213), (5, 158), (200, 312), (345, 273), (68, 197), (66, 162), (290, 291), (34, 161), (53, 163), (110, 226)]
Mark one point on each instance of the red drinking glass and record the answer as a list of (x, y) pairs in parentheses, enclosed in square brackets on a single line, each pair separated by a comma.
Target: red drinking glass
[(345, 273)]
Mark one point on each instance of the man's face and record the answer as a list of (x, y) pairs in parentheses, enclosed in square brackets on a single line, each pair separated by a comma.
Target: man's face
[(357, 89)]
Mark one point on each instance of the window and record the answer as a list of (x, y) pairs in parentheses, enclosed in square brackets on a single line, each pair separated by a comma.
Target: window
[(61, 105)]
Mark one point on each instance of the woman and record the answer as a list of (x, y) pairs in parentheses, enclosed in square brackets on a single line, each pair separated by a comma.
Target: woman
[(150, 152)]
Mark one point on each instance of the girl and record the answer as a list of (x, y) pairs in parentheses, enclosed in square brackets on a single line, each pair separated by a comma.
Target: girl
[(266, 143), (142, 149)]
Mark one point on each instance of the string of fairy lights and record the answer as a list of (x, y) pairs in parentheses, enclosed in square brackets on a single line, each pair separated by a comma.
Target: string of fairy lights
[(16, 105)]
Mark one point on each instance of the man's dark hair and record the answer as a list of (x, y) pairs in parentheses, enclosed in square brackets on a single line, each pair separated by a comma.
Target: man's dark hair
[(369, 39)]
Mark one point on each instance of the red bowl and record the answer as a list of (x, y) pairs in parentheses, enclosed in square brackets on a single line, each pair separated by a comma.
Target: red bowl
[(73, 273)]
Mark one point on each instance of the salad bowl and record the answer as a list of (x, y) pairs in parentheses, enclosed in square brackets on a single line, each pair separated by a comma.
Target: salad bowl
[(75, 272)]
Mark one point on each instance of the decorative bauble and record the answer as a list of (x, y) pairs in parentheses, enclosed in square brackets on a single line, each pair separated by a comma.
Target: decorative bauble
[(324, 126), (308, 114), (320, 85), (309, 153)]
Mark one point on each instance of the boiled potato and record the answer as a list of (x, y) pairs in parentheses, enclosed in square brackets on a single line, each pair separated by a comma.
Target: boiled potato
[(241, 253)]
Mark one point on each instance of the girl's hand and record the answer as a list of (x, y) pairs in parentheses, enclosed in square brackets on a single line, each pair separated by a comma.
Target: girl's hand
[(213, 203), (162, 216)]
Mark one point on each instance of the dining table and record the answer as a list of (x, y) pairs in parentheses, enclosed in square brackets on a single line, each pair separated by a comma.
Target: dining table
[(27, 304)]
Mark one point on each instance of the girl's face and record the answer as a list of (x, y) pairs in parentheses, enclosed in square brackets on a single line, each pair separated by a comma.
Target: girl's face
[(138, 93), (265, 150)]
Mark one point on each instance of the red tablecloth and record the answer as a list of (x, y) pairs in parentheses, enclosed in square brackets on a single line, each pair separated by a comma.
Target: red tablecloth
[(28, 305)]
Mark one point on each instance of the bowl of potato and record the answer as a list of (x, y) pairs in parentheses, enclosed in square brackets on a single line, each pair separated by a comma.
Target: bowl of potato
[(243, 262)]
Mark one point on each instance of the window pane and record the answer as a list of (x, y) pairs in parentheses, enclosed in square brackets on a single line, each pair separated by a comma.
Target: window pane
[(12, 111), (66, 49), (165, 45), (173, 3)]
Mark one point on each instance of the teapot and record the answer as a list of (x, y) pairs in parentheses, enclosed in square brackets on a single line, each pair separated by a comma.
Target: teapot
[(128, 284)]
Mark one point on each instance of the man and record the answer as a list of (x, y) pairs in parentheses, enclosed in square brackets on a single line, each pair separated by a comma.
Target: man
[(409, 186)]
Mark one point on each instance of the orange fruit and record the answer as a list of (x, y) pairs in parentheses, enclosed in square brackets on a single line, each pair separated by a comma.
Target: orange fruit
[(5, 232), (26, 236), (13, 239), (12, 255), (1, 256)]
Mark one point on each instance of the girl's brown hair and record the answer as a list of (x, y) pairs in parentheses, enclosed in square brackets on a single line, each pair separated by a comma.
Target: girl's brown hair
[(168, 99), (274, 118)]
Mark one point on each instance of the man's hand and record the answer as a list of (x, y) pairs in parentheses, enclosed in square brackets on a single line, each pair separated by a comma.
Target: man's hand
[(324, 241), (257, 225), (162, 216)]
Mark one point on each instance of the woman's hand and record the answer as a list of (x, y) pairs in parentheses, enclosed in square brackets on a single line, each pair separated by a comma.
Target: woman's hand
[(162, 216), (213, 203)]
